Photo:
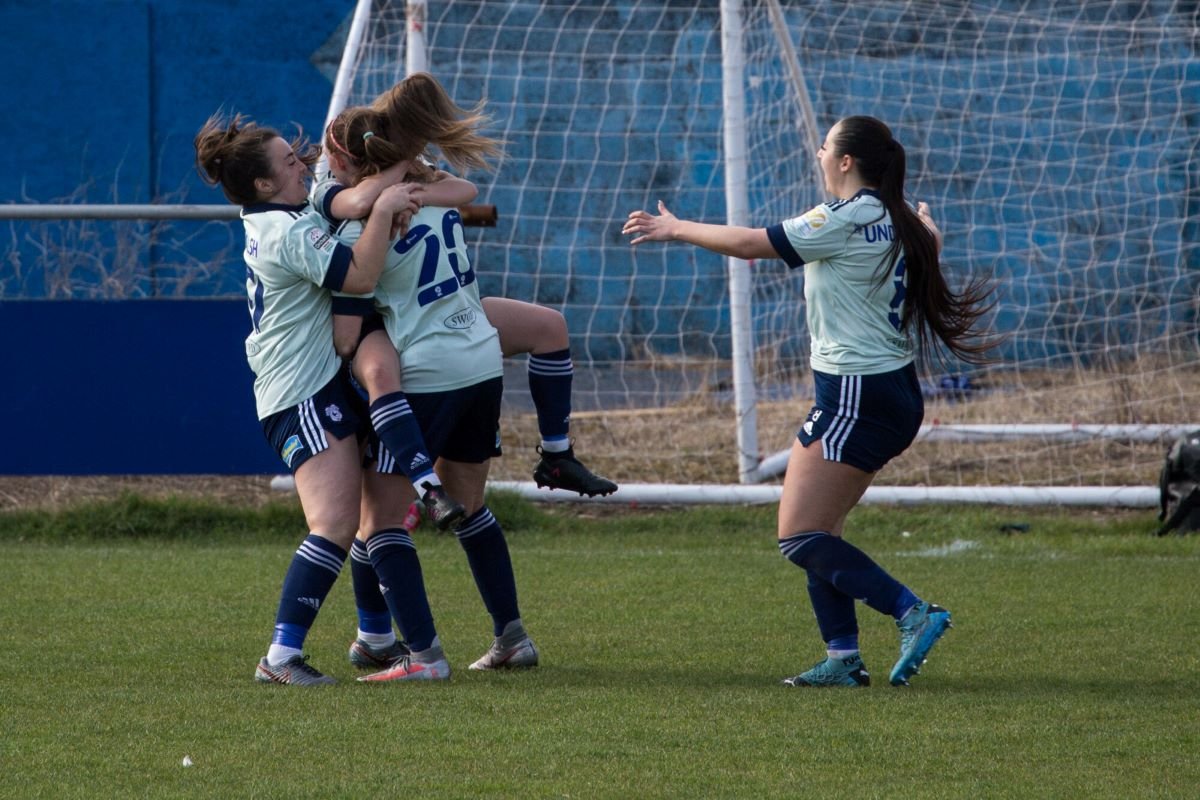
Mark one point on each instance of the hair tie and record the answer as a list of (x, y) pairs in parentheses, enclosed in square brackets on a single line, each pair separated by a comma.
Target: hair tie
[(333, 139), (368, 135)]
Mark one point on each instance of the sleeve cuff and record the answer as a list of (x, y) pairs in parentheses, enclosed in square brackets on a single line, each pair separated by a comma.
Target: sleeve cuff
[(779, 240), (353, 306), (327, 203), (339, 267)]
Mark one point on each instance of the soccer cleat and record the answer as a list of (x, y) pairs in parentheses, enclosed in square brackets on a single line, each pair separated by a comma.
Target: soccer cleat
[(510, 650), (295, 672), (847, 671), (564, 471), (364, 656), (427, 665), (442, 509), (920, 629), (412, 520)]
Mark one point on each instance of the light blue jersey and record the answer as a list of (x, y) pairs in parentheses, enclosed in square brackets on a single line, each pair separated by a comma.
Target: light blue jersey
[(292, 264), (853, 316), (429, 300)]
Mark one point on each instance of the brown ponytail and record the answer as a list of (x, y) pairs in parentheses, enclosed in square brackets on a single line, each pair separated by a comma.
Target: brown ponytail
[(935, 312), (232, 153)]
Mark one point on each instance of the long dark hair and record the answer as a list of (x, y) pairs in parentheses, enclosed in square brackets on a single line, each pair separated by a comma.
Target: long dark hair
[(232, 152), (931, 309)]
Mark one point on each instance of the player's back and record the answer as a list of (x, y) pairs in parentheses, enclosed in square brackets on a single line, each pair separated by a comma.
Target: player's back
[(429, 300)]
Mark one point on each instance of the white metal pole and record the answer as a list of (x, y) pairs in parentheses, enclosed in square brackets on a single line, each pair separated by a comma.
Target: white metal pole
[(416, 57), (341, 83), (733, 60), (799, 89)]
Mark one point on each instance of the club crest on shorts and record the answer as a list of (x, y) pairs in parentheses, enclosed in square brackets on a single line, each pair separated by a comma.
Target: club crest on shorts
[(333, 412)]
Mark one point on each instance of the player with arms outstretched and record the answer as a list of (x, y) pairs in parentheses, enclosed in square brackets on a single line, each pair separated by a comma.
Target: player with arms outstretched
[(874, 289)]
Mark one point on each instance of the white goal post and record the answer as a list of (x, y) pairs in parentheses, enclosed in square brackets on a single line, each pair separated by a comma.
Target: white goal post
[(1055, 146)]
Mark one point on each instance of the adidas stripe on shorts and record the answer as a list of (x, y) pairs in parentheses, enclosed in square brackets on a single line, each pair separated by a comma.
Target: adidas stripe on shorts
[(864, 420), (300, 432)]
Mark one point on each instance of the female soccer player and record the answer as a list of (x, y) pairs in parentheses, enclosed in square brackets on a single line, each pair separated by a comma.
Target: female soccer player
[(354, 144), (450, 355), (873, 284), (307, 408)]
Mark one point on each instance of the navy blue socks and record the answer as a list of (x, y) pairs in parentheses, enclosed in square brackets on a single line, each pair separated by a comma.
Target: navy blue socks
[(487, 554), (838, 574), (397, 427), (550, 377), (313, 570), (374, 616), (394, 557)]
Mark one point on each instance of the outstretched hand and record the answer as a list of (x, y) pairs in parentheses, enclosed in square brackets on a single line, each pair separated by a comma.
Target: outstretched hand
[(650, 228)]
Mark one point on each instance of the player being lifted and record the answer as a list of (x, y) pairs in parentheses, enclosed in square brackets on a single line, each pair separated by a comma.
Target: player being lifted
[(449, 358), (363, 161)]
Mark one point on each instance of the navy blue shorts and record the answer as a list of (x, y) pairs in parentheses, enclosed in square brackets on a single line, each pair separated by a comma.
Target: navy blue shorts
[(461, 424), (864, 420), (300, 432)]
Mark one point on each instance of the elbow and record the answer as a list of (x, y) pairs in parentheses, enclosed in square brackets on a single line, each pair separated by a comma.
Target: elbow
[(357, 283)]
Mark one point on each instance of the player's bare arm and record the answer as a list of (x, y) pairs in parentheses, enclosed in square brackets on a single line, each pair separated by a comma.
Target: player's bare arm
[(355, 202), (727, 240)]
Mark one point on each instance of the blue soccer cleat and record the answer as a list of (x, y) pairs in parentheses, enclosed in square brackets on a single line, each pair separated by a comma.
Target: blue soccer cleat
[(920, 629)]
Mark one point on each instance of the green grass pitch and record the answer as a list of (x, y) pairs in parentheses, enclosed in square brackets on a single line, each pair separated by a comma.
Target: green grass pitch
[(130, 632)]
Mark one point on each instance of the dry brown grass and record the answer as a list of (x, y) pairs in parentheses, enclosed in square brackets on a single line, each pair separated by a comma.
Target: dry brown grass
[(694, 441)]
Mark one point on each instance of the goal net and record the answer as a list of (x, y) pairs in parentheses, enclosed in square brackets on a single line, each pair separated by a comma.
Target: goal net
[(1056, 144)]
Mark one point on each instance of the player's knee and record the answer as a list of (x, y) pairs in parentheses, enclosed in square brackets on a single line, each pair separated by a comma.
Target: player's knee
[(377, 376), (551, 333), (337, 525)]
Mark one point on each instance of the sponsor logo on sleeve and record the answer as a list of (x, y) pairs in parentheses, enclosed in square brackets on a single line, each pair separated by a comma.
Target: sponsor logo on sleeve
[(320, 240), (812, 221)]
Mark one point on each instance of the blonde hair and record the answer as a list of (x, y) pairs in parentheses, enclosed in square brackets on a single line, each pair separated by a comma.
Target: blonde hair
[(404, 121)]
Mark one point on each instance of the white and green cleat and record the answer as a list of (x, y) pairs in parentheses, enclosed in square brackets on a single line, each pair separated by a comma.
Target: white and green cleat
[(848, 671)]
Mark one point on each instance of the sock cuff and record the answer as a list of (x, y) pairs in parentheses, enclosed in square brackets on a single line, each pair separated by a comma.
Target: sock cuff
[(551, 365), (358, 552), (392, 537), (321, 552), (389, 408), (477, 523), (792, 545)]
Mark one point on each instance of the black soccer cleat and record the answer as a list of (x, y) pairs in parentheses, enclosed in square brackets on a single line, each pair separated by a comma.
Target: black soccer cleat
[(564, 471), (442, 509)]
